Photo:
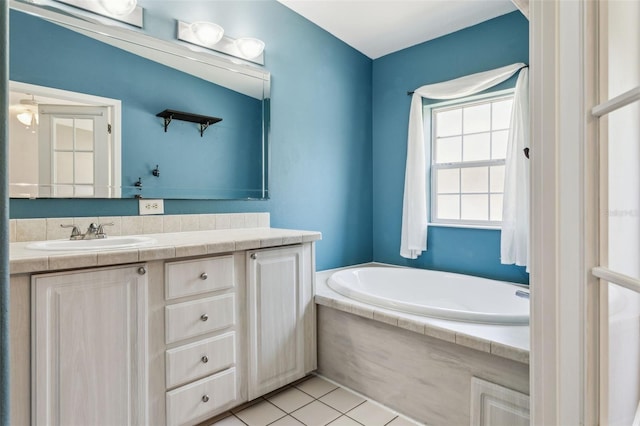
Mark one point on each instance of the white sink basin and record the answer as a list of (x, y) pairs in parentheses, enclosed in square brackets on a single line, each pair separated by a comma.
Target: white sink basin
[(109, 243)]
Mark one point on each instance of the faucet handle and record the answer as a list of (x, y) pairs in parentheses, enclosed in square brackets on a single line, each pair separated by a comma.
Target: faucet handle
[(75, 232), (101, 232)]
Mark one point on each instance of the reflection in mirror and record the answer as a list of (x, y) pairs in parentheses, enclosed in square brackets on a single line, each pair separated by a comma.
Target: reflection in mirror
[(62, 144), (229, 161)]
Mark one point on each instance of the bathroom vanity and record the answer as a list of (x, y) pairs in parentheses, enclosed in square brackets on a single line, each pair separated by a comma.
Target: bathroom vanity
[(173, 331)]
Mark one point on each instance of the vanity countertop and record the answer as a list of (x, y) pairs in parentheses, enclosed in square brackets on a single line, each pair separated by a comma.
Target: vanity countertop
[(165, 246)]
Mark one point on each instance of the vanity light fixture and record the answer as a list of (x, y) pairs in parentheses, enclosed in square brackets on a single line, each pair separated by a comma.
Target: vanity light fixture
[(205, 34), (126, 11)]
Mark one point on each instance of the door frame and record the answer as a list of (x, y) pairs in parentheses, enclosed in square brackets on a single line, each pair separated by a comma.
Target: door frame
[(564, 213)]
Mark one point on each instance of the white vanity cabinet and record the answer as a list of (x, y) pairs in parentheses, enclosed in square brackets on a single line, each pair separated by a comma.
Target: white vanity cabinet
[(89, 347), (281, 317), (202, 335)]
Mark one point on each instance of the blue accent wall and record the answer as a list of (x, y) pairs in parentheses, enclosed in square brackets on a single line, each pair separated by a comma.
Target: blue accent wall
[(321, 155), (491, 44)]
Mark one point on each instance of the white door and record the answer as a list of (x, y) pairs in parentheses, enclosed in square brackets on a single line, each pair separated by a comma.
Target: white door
[(276, 309), (74, 151), (89, 347), (619, 122)]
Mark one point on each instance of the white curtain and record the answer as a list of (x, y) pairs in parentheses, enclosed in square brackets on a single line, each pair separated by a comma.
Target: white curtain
[(414, 208), (514, 241)]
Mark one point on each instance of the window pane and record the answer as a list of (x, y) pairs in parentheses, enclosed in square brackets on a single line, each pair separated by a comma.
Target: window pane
[(497, 179), (84, 190), (84, 134), (449, 150), (84, 167), (448, 181), (495, 201), (501, 114), (477, 118), (499, 144), (475, 179), (449, 123), (64, 191), (474, 207), (477, 147), (448, 207), (63, 128), (63, 163)]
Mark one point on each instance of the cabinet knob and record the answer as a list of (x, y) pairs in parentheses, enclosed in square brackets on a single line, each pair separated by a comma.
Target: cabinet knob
[(204, 317), (142, 270), (254, 256), (205, 359), (205, 398), (204, 276)]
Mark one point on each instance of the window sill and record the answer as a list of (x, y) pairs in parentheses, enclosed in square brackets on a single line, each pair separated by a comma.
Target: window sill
[(457, 225)]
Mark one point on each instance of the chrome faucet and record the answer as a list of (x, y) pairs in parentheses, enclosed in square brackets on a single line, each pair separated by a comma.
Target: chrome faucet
[(95, 231)]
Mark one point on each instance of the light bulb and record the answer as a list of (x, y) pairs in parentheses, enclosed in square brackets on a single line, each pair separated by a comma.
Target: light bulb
[(250, 47), (119, 7), (207, 33), (25, 118)]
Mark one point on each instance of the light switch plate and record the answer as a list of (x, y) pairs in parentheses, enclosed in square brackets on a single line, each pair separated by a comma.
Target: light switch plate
[(151, 206)]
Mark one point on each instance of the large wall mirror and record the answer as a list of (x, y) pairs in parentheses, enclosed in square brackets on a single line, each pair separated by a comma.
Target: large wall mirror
[(83, 106)]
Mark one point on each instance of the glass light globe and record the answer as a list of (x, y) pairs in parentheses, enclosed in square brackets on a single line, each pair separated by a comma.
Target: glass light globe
[(25, 118), (119, 7), (207, 33), (250, 47)]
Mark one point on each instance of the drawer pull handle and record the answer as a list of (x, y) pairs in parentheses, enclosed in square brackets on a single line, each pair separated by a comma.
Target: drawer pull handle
[(205, 359), (204, 317), (142, 270), (204, 276), (254, 256), (205, 398)]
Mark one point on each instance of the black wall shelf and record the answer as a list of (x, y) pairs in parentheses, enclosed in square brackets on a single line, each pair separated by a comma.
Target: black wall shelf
[(203, 120)]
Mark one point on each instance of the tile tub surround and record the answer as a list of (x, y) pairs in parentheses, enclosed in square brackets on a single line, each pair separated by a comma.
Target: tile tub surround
[(22, 230), (166, 246), (313, 401), (419, 366), (506, 341)]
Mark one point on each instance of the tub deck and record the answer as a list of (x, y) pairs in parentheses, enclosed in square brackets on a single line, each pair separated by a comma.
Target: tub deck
[(506, 341)]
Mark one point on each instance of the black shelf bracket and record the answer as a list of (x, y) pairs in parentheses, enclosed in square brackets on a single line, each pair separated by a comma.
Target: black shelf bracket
[(203, 120)]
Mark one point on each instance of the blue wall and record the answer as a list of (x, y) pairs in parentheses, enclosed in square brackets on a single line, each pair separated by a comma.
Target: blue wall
[(321, 155), (498, 42)]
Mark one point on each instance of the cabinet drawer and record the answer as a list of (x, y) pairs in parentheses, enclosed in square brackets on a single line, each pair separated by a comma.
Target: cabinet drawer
[(198, 276), (201, 398), (199, 359), (189, 319)]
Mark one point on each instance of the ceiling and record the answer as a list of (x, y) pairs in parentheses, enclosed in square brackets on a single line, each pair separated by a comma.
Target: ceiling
[(379, 27)]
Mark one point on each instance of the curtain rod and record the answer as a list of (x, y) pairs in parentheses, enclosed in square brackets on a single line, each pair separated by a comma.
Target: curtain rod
[(411, 93)]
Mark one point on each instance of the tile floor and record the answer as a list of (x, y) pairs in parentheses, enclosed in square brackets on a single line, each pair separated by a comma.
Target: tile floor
[(314, 402)]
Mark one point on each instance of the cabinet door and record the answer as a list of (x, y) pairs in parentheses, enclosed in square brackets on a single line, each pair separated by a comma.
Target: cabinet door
[(277, 282), (89, 352)]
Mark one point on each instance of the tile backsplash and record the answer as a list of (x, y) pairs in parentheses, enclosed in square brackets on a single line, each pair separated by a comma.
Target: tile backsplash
[(49, 229)]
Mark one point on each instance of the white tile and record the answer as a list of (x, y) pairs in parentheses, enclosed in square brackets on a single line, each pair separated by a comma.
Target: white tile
[(316, 387), (223, 221), (316, 414), (342, 400), (264, 220), (57, 232), (403, 421), (171, 223), (287, 421), (344, 421), (152, 224), (260, 414), (12, 230), (229, 421), (31, 229), (251, 220), (237, 221), (290, 399), (189, 222), (371, 414), (113, 230), (131, 225), (207, 222)]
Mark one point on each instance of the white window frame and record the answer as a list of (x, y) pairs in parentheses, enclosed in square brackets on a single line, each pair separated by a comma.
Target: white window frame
[(430, 132)]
